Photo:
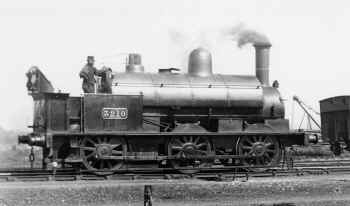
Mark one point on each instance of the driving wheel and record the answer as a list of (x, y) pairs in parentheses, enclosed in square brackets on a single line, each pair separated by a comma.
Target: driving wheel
[(263, 151), (102, 153), (187, 150)]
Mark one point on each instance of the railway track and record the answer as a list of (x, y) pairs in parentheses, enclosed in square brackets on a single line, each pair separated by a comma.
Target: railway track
[(298, 168)]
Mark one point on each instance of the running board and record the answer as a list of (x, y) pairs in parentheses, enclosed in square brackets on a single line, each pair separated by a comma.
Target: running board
[(143, 157)]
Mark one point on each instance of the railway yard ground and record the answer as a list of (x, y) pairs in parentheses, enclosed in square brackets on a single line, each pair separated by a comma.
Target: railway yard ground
[(320, 189), (306, 190)]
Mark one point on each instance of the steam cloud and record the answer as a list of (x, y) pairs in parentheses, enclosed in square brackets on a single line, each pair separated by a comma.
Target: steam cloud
[(243, 36), (183, 41)]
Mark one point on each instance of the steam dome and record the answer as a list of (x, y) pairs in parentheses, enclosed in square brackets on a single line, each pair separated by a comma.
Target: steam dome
[(200, 63)]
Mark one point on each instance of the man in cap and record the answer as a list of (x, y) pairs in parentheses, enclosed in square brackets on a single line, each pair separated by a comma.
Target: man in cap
[(88, 75)]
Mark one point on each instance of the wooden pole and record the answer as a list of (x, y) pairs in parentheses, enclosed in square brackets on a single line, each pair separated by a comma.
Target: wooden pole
[(148, 195)]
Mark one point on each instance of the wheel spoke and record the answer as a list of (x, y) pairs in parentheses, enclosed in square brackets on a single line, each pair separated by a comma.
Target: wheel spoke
[(180, 154), (88, 148), (247, 139), (196, 140), (201, 140), (91, 141), (179, 142), (113, 146), (268, 144), (176, 148), (90, 155), (201, 145)]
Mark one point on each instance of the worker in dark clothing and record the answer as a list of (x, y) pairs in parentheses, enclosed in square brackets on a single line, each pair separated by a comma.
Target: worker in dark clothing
[(106, 80), (88, 75)]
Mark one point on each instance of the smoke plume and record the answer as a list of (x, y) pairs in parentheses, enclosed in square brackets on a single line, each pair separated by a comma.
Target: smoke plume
[(183, 42), (215, 39), (243, 36)]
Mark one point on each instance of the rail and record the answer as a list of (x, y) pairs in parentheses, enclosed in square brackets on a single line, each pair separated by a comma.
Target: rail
[(298, 168)]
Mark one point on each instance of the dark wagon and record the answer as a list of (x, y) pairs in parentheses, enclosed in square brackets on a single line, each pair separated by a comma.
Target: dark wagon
[(335, 121)]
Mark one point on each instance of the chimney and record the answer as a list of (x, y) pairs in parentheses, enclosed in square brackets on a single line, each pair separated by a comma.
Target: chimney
[(262, 62), (134, 64)]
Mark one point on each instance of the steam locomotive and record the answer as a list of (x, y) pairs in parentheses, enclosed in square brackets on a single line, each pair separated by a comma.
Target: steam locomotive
[(167, 119)]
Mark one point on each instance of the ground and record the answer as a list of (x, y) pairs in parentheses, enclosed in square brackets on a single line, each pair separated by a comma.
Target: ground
[(308, 190)]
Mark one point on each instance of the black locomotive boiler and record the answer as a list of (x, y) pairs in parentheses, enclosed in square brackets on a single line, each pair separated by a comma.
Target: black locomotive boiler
[(166, 119)]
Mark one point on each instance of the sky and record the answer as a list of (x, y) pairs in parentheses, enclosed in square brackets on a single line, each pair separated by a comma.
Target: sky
[(309, 54)]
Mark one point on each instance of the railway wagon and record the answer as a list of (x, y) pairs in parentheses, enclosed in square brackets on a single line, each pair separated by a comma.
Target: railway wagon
[(335, 122), (186, 121)]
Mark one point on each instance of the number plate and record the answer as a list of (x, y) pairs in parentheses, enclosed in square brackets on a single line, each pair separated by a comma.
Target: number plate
[(114, 113)]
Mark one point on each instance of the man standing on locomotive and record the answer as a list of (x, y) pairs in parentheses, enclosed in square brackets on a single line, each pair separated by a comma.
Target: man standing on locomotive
[(88, 73)]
